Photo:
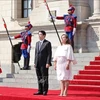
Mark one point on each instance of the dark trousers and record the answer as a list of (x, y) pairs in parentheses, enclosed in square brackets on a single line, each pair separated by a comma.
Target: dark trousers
[(72, 43), (71, 38), (26, 62), (42, 76), (26, 56)]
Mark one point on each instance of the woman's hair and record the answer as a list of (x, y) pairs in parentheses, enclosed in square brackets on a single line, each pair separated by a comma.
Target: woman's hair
[(68, 41)]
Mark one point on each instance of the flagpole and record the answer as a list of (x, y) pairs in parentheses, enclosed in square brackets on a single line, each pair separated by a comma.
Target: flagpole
[(52, 19), (9, 38)]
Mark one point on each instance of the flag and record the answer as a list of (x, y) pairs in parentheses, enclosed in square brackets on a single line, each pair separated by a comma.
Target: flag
[(4, 23), (0, 70)]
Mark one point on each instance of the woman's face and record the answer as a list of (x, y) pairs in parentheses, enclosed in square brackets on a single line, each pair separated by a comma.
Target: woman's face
[(64, 39)]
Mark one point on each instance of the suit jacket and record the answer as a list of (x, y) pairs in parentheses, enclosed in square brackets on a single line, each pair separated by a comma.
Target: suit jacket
[(44, 55)]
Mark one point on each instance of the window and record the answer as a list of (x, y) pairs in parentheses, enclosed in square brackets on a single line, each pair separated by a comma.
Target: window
[(26, 7), (53, 13)]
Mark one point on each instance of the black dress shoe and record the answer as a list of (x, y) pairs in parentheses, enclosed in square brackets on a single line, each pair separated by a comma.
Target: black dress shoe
[(24, 68), (21, 68), (38, 93), (44, 93)]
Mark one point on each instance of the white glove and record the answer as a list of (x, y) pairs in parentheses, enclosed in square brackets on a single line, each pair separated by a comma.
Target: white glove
[(12, 37), (74, 31), (28, 48), (52, 17)]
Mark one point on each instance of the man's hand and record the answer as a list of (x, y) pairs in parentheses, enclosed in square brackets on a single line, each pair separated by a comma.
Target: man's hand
[(47, 65), (34, 66)]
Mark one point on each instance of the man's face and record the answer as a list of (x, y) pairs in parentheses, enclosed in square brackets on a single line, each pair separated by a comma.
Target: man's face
[(41, 36), (69, 11), (26, 28)]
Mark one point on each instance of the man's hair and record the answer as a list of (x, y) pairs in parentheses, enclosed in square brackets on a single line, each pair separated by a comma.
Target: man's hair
[(43, 32)]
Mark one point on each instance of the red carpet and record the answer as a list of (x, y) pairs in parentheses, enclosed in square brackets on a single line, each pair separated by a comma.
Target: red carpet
[(84, 86), (27, 94), (89, 78)]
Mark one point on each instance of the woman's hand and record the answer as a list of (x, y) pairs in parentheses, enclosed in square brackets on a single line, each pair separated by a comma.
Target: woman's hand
[(68, 65), (67, 68), (55, 64), (55, 67)]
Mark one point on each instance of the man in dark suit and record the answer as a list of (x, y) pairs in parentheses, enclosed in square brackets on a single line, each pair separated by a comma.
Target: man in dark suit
[(42, 62)]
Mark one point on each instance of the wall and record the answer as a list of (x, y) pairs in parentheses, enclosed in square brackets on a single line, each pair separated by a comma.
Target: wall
[(41, 14), (5, 11), (5, 57), (83, 10)]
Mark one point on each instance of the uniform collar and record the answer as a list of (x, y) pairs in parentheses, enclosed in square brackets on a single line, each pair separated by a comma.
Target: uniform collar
[(42, 40)]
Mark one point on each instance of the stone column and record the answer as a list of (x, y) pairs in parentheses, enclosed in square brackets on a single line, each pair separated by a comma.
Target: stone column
[(14, 9), (94, 29), (96, 8), (81, 38), (35, 3), (82, 9), (40, 1)]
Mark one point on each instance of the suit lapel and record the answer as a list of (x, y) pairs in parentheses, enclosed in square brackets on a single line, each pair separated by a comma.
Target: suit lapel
[(43, 45), (37, 46)]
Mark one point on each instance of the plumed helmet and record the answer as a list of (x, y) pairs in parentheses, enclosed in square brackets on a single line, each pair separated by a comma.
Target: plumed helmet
[(29, 25), (71, 8)]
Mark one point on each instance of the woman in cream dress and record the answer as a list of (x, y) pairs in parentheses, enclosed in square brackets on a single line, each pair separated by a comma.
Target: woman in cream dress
[(62, 63)]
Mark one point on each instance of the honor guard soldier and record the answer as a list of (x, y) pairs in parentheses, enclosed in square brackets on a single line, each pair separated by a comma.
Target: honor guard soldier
[(26, 44)]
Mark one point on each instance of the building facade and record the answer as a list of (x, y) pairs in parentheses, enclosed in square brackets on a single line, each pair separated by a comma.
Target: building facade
[(18, 12)]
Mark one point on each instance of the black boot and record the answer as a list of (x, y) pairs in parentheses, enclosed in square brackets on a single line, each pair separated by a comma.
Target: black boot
[(72, 43), (27, 63), (24, 64)]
